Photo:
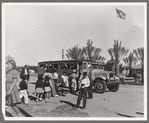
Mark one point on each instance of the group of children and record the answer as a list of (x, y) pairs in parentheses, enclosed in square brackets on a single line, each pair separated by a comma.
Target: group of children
[(42, 88), (50, 84)]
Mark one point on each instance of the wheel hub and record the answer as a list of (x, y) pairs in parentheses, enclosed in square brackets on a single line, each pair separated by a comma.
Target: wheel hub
[(99, 86)]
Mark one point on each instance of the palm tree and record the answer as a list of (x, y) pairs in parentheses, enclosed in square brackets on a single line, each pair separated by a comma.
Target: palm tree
[(130, 61), (117, 53), (140, 55), (75, 53), (92, 53)]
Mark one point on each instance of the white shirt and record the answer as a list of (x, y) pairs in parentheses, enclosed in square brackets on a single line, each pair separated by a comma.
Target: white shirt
[(55, 75), (63, 77), (25, 71), (85, 81)]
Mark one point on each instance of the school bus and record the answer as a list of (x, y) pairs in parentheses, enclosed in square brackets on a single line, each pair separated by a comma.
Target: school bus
[(69, 65), (101, 79)]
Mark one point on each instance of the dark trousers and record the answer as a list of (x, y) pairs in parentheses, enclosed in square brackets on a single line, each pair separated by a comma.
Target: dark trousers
[(82, 93), (90, 90), (70, 88)]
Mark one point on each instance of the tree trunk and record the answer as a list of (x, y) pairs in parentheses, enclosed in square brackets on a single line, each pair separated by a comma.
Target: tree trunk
[(126, 72), (130, 73), (113, 69), (117, 69)]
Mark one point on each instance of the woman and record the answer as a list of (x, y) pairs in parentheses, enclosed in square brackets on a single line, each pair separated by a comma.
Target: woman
[(49, 73), (12, 93), (73, 77)]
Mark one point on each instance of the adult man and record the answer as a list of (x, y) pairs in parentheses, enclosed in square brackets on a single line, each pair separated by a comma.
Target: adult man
[(90, 88), (89, 74), (83, 85)]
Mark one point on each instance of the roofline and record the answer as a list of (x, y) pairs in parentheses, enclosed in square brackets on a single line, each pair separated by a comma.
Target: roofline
[(70, 61)]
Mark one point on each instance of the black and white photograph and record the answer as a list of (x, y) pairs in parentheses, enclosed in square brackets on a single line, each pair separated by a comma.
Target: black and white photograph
[(74, 61)]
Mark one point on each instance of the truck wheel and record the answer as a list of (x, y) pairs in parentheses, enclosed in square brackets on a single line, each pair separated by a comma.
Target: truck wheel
[(113, 88), (100, 86)]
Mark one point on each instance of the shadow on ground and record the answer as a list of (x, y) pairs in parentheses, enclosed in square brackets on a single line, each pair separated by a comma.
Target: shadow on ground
[(140, 113), (67, 110), (124, 115), (101, 93), (67, 102), (32, 97)]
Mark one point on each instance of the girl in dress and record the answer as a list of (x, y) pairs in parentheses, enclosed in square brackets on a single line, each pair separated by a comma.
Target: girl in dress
[(12, 93), (39, 88)]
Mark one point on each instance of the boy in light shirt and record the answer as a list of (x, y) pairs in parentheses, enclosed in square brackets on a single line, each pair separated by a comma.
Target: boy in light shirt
[(83, 84)]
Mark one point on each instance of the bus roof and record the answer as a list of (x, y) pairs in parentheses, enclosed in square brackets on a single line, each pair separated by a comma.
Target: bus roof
[(63, 61)]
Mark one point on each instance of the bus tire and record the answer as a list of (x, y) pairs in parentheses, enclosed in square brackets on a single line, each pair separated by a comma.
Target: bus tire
[(113, 88), (100, 86)]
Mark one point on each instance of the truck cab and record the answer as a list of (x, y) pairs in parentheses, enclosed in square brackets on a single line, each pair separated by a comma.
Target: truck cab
[(101, 79)]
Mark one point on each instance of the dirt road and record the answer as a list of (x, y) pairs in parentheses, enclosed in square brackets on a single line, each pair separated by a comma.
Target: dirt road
[(127, 102)]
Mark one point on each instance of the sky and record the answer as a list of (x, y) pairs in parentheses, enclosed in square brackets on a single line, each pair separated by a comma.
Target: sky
[(39, 32)]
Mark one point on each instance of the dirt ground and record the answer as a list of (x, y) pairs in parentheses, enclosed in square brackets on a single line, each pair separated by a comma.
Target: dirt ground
[(127, 102)]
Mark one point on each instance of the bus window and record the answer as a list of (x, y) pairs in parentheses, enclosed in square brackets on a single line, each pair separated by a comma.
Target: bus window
[(41, 65), (55, 66), (44, 65), (62, 67), (50, 66), (67, 66), (74, 66)]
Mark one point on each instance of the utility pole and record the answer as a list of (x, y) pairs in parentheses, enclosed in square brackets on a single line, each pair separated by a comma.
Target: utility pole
[(62, 54)]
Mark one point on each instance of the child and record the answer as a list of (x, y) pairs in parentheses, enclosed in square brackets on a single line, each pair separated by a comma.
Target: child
[(39, 88), (23, 89), (47, 87)]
